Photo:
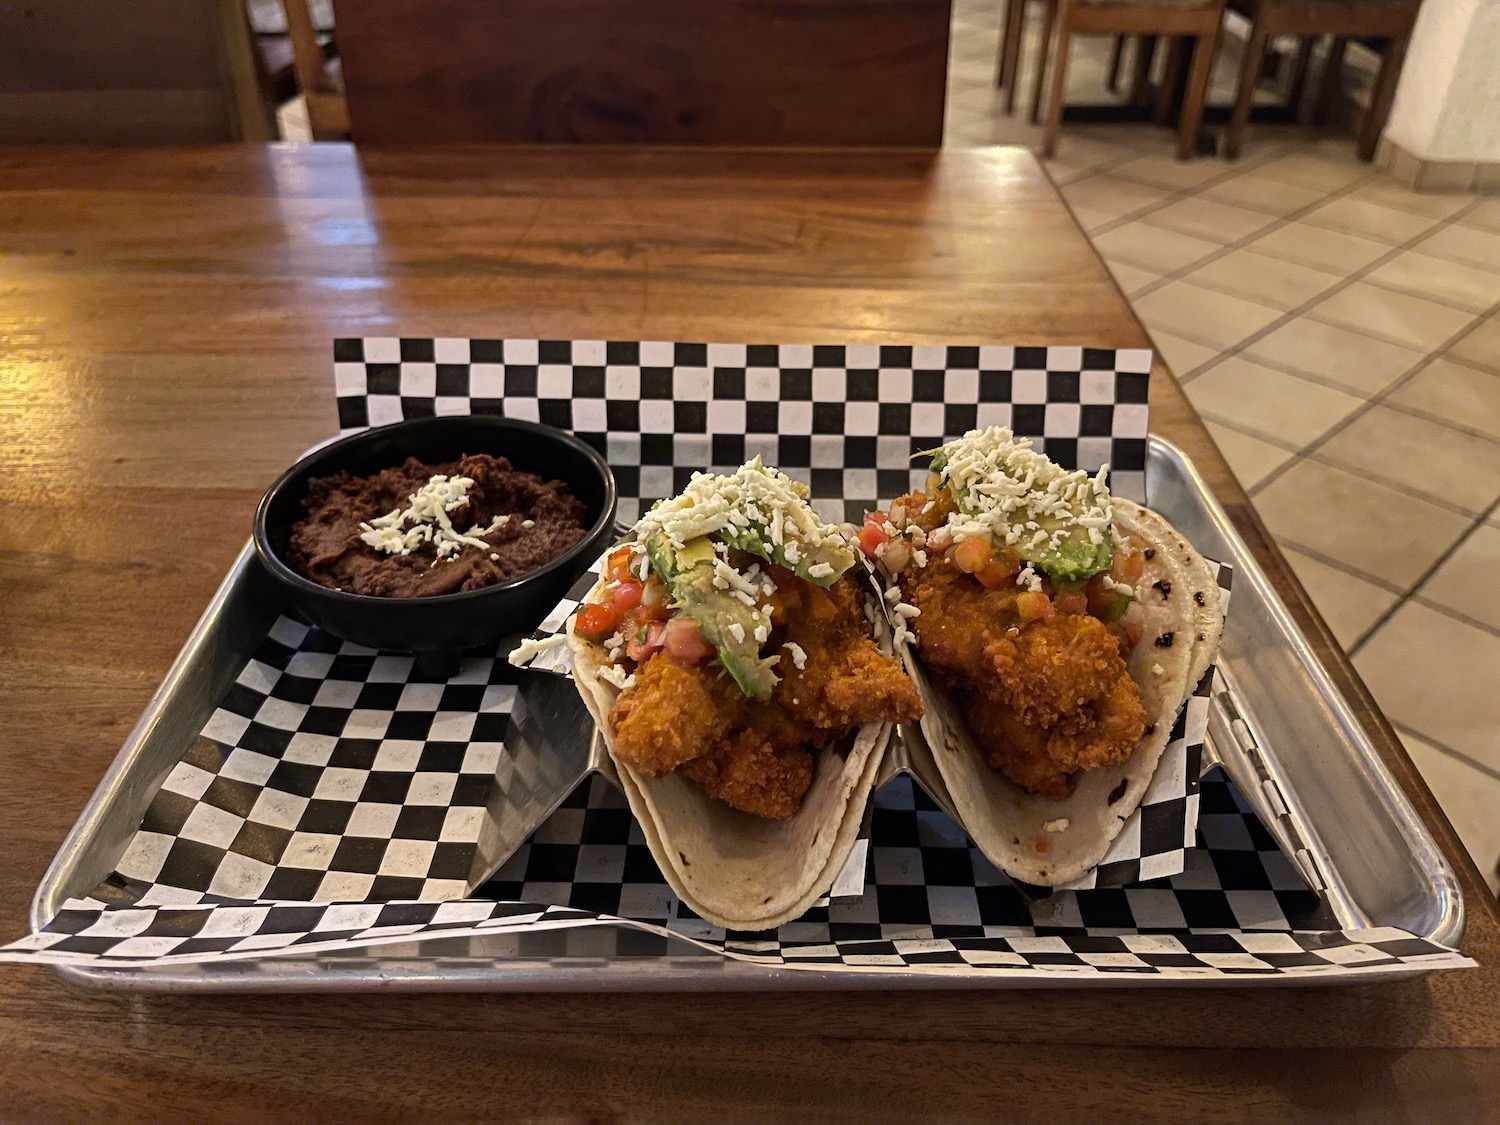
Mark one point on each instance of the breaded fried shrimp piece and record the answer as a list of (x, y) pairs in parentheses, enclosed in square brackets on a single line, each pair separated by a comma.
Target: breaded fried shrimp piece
[(747, 773), (672, 713), (1051, 668)]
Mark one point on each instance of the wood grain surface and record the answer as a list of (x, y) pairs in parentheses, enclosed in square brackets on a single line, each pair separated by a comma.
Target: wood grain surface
[(833, 72), (167, 316)]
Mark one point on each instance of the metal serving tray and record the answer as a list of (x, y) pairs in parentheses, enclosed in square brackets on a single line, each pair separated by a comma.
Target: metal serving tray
[(1287, 738)]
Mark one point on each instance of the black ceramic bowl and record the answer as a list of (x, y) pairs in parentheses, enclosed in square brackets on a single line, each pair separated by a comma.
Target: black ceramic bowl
[(446, 623)]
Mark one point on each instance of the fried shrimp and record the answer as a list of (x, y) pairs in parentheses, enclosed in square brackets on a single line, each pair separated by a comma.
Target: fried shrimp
[(752, 775), (1052, 668), (669, 716), (1043, 699), (843, 679)]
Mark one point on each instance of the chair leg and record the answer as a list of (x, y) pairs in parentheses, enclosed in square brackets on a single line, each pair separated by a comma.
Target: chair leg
[(1204, 48), (1298, 85), (1015, 32), (1116, 56), (1059, 89), (1002, 56), (1332, 82), (1166, 93), (1381, 97), (1140, 78), (1049, 17), (1255, 53)]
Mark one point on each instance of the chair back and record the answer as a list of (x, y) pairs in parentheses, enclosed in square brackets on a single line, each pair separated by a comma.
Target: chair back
[(165, 71), (734, 72)]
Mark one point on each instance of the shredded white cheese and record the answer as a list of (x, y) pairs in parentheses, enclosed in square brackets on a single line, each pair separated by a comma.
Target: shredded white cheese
[(1029, 578), (752, 494), (529, 649), (426, 512), (1012, 494), (1058, 825), (907, 610), (799, 656), (617, 675), (737, 631)]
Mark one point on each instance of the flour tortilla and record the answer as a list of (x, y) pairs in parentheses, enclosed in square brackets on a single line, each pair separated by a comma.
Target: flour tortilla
[(739, 871), (1004, 820)]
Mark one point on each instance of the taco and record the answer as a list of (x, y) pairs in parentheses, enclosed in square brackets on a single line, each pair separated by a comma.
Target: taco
[(1055, 632), (727, 653)]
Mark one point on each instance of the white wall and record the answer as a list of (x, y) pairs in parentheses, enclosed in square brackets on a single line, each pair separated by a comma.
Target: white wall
[(1448, 103)]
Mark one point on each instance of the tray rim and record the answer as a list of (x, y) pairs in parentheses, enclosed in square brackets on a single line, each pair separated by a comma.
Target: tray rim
[(729, 974)]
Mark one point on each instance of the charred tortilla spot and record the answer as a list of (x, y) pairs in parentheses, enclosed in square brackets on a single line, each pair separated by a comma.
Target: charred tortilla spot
[(1150, 552), (1118, 791), (1164, 641), (683, 856), (1149, 731), (1198, 597), (1163, 585)]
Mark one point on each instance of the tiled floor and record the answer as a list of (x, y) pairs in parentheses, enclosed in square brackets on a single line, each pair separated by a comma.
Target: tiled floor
[(1341, 337)]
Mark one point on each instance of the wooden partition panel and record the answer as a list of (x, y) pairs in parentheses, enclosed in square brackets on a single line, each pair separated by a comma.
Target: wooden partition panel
[(775, 72), (129, 71)]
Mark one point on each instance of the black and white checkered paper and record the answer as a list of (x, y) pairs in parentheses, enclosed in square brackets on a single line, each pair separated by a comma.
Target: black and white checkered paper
[(844, 419), (336, 799)]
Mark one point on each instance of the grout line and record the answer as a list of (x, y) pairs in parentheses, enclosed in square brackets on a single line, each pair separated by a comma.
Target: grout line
[(1458, 427), (1422, 579), (1250, 431), (1247, 242), (1351, 469), (1379, 397), (1340, 565), (1446, 302), (1482, 767), (1453, 614)]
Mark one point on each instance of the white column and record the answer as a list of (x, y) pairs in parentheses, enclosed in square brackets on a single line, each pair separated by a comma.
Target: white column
[(1447, 106)]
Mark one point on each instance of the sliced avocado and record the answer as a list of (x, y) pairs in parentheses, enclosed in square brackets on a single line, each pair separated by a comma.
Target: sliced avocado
[(754, 540), (1074, 559), (689, 575)]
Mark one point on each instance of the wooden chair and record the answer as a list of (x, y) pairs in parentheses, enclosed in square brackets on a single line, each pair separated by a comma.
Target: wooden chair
[(147, 72), (319, 78), (1387, 20), (1198, 20), (1008, 64)]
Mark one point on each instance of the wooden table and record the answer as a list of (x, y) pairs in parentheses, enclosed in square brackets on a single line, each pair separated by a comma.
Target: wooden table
[(167, 317)]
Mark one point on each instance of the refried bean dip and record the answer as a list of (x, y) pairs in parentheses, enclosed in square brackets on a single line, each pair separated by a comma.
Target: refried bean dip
[(523, 521)]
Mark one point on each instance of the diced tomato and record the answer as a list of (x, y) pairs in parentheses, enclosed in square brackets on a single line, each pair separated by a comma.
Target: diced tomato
[(1104, 603), (617, 567), (595, 622), (1033, 605), (1071, 601), (682, 638), (971, 555), (1000, 570), (644, 641), (1128, 568), (872, 537), (626, 596)]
